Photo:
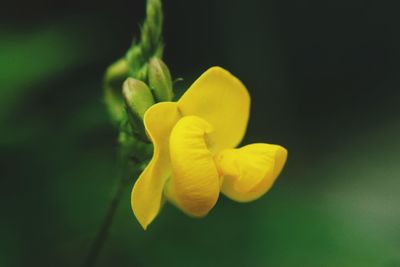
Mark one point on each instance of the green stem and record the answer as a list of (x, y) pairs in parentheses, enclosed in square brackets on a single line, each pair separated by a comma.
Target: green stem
[(108, 219)]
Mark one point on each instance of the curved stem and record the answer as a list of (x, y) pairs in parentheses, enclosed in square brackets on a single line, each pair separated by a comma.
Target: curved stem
[(103, 231)]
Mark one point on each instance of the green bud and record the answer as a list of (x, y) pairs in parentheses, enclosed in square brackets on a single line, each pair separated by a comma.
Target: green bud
[(160, 80), (116, 73), (134, 59), (137, 96), (113, 79), (138, 99)]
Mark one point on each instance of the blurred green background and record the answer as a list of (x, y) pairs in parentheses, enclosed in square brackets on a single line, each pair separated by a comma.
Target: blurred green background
[(324, 79)]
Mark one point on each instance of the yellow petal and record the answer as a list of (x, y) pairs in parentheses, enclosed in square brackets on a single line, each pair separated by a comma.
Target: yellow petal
[(222, 100), (250, 171), (146, 197), (194, 186)]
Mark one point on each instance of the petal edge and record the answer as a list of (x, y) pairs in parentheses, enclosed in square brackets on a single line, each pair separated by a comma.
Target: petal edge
[(250, 171), (222, 100), (147, 193)]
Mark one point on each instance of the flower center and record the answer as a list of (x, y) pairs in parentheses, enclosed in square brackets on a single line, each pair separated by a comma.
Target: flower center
[(195, 182)]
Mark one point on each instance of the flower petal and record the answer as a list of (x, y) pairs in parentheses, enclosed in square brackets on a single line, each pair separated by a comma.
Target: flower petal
[(250, 171), (146, 197), (194, 186), (222, 100)]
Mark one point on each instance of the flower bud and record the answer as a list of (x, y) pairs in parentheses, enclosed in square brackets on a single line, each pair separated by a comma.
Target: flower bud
[(160, 80), (113, 79), (134, 60), (138, 97)]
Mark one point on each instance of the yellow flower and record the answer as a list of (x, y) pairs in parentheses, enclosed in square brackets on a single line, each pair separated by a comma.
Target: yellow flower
[(194, 156)]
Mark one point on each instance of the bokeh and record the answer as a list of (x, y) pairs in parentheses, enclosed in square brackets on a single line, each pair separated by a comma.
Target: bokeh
[(324, 77)]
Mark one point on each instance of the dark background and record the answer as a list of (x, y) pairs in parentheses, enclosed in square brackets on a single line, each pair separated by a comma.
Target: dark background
[(324, 79)]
